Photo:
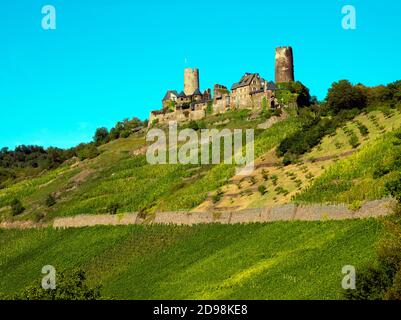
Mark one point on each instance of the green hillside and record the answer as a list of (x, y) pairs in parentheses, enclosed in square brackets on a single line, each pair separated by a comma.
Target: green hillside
[(119, 176), (343, 150), (297, 260)]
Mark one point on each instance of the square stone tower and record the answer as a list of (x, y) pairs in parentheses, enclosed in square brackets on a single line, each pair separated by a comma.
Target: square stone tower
[(191, 81)]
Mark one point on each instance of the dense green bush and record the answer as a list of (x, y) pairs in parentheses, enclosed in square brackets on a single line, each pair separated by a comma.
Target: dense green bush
[(70, 285), (50, 200), (16, 207)]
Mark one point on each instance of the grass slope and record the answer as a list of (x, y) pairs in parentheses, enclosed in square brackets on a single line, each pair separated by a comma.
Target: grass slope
[(283, 260), (119, 177), (360, 177), (323, 174)]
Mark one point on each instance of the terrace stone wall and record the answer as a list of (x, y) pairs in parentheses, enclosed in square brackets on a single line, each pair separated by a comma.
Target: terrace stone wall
[(288, 212)]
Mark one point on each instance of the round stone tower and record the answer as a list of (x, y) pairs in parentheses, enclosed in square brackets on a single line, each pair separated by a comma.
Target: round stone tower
[(284, 71), (191, 81)]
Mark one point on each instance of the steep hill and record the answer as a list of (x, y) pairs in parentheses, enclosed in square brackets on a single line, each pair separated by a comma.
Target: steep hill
[(121, 178)]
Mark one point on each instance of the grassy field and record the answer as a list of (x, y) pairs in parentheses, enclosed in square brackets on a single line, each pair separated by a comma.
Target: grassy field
[(283, 260)]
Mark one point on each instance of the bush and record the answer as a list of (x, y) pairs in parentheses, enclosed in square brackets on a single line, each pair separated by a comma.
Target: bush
[(50, 201), (87, 151), (363, 129), (354, 141), (125, 134), (265, 175), (262, 190), (16, 207), (382, 171), (371, 284), (217, 196), (393, 188), (112, 208), (70, 285)]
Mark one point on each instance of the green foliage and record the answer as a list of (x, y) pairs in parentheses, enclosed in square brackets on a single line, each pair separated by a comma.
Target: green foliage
[(70, 285), (393, 188), (50, 200), (217, 196), (113, 208), (16, 207), (196, 125), (87, 151), (363, 129), (101, 136), (262, 190), (300, 93), (209, 108), (265, 175), (355, 205), (381, 279), (354, 141), (372, 283), (344, 96)]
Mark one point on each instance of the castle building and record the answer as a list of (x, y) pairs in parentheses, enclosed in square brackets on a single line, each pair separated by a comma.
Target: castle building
[(170, 98), (221, 98), (250, 92), (189, 104), (241, 91)]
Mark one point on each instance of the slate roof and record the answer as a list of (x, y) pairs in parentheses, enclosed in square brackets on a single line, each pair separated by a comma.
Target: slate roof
[(271, 86), (167, 96), (246, 80), (197, 92)]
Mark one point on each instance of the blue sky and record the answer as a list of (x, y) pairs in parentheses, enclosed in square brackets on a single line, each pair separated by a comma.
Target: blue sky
[(112, 59)]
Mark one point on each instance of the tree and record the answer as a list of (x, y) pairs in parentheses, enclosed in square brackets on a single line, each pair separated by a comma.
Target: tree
[(87, 151), (343, 95), (101, 136), (70, 285)]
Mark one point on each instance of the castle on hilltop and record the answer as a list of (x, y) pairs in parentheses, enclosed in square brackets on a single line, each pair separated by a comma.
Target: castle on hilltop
[(250, 92)]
